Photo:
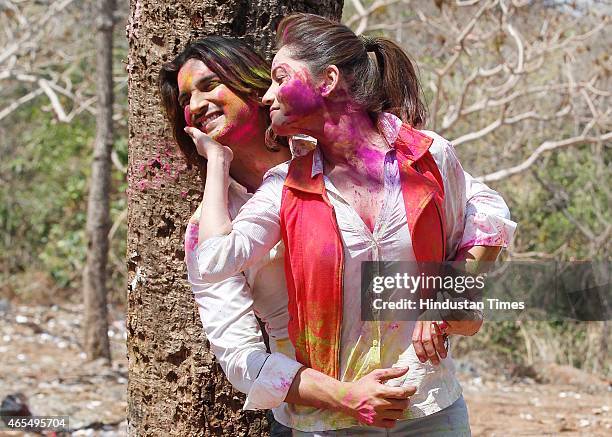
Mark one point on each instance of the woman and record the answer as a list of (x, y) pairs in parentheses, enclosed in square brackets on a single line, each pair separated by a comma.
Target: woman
[(217, 84), (374, 189)]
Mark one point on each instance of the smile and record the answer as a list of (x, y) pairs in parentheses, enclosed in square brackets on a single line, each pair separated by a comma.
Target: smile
[(208, 118)]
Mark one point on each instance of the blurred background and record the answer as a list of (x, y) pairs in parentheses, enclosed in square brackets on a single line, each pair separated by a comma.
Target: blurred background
[(521, 88)]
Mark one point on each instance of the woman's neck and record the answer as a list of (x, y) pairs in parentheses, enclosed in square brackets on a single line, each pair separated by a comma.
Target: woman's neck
[(352, 139)]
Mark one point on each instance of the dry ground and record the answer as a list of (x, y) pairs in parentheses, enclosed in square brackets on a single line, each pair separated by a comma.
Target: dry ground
[(41, 358)]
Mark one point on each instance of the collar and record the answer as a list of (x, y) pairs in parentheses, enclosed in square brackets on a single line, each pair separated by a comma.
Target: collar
[(402, 137)]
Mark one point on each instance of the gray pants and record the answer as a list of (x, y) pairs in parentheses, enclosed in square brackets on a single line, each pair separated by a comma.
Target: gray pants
[(449, 422)]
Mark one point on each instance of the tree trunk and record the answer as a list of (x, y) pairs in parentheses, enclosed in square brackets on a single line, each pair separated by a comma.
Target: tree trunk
[(98, 208), (175, 387)]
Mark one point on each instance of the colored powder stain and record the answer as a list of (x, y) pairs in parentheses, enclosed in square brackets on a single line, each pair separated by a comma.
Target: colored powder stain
[(367, 416), (285, 383), (187, 114), (142, 185), (367, 413), (184, 194), (372, 159), (191, 238), (299, 96)]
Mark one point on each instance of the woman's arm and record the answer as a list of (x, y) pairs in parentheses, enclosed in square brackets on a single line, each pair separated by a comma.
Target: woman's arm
[(487, 229), (228, 247), (478, 226)]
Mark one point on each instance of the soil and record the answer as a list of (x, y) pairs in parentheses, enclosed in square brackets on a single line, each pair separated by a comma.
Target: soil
[(42, 360)]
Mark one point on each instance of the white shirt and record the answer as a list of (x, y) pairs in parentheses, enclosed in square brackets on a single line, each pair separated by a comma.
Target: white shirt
[(480, 219)]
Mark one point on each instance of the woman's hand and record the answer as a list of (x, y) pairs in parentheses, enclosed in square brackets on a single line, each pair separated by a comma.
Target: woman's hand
[(372, 402), (214, 219), (207, 147), (428, 342)]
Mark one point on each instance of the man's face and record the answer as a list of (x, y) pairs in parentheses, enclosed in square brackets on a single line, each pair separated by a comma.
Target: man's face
[(212, 107)]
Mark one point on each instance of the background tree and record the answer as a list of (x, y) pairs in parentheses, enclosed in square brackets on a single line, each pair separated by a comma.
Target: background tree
[(48, 105), (98, 201), (174, 385)]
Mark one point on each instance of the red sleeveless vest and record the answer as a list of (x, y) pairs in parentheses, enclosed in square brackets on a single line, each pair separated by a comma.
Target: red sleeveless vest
[(313, 245)]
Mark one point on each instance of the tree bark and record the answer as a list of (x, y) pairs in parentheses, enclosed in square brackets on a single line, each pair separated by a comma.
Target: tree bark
[(98, 204), (175, 387)]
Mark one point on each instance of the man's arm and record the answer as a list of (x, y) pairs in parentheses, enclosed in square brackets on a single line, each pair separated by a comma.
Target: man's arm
[(226, 313)]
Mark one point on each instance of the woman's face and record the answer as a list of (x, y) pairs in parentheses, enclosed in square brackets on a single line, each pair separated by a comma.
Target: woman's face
[(294, 97), (214, 108)]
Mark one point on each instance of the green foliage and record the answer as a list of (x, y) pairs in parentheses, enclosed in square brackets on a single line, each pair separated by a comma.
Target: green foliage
[(43, 197), (43, 203)]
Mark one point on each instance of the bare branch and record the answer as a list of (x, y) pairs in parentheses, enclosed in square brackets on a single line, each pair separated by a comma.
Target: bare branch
[(55, 103), (117, 163), (509, 121), (29, 36), (17, 103), (546, 146)]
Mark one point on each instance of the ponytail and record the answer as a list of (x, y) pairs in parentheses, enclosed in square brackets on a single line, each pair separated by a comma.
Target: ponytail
[(400, 90), (379, 74)]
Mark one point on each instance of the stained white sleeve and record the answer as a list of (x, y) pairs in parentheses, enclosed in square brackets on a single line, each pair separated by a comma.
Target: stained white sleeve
[(228, 319), (475, 215), (487, 217), (255, 231)]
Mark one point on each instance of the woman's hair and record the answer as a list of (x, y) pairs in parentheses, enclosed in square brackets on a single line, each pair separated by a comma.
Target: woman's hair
[(385, 82), (238, 66)]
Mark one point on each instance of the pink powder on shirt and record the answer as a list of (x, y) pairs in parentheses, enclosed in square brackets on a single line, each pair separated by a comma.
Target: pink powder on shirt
[(191, 237)]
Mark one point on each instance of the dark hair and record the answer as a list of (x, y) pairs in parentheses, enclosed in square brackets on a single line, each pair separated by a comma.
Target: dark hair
[(385, 82), (238, 66)]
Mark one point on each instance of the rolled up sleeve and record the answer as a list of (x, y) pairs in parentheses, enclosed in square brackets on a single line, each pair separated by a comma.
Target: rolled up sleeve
[(487, 217), (273, 382), (475, 214)]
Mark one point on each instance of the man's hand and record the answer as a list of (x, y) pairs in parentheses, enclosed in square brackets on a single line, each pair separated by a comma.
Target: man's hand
[(372, 402)]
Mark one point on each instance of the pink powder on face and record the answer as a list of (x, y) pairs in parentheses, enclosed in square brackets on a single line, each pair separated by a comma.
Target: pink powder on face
[(187, 114), (299, 96)]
